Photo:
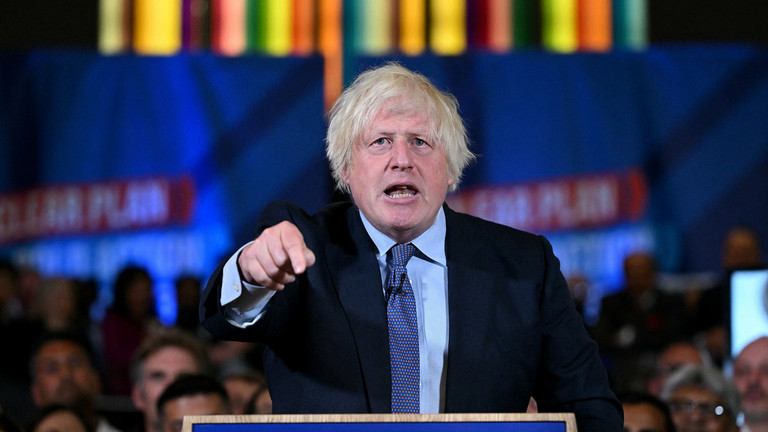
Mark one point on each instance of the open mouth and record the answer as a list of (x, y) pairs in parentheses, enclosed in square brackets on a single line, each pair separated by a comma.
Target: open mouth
[(400, 191)]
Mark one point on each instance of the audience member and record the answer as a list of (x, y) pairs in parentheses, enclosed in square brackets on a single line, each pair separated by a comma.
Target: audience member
[(188, 303), (63, 373), (702, 399), (578, 285), (741, 250), (190, 395), (126, 324), (750, 375), (644, 412), (241, 387), (637, 322), (672, 358), (60, 418), (162, 358)]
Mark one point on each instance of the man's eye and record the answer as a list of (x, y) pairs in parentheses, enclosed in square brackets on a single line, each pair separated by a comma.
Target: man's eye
[(380, 142), (418, 142)]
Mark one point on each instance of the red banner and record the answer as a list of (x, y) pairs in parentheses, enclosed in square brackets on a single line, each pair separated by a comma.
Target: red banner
[(95, 207), (568, 203)]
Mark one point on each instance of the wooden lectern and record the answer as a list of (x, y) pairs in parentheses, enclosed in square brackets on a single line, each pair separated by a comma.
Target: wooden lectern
[(546, 422)]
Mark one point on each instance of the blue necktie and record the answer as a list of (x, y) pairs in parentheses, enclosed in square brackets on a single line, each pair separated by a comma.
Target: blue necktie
[(403, 334)]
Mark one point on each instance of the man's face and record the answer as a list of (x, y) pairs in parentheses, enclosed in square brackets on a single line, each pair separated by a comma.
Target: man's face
[(643, 417), (200, 404), (159, 370), (398, 175), (696, 409), (750, 375), (64, 375)]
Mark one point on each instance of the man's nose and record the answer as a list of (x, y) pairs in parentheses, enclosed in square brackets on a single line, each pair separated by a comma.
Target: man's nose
[(401, 154)]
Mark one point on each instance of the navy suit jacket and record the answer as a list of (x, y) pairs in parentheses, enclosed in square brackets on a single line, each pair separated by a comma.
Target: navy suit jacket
[(513, 329)]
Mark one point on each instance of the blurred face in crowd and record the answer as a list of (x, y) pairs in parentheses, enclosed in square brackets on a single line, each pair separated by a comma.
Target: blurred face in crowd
[(639, 272), (63, 375), (60, 421), (750, 375), (158, 370), (240, 391), (697, 409), (200, 404), (643, 417), (398, 175), (671, 359), (138, 298), (741, 248)]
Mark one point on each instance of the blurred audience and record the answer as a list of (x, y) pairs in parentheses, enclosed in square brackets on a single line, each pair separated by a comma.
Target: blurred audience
[(260, 403), (126, 323), (636, 322), (644, 412), (741, 250), (60, 418), (188, 303), (241, 387), (63, 373), (672, 358), (702, 399), (750, 375), (161, 359), (190, 395)]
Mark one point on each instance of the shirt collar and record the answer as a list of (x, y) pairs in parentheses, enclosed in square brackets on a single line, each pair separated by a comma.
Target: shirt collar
[(430, 243)]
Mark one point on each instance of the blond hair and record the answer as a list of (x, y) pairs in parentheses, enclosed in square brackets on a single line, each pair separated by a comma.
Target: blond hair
[(354, 110)]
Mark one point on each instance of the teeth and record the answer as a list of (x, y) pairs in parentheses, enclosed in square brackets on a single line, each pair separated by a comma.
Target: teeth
[(401, 192)]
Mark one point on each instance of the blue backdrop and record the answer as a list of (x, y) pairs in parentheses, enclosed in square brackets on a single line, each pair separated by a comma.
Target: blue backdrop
[(248, 130)]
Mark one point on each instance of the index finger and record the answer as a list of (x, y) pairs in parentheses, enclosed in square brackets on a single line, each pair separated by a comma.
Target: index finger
[(299, 254)]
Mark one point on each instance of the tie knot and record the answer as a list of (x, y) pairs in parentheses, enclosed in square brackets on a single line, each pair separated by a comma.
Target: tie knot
[(402, 253)]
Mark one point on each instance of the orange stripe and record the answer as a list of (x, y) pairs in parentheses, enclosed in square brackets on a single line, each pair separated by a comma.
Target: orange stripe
[(331, 48), (303, 27), (595, 25)]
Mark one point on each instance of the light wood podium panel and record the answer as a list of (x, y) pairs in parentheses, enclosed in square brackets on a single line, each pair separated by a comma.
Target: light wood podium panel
[(507, 422)]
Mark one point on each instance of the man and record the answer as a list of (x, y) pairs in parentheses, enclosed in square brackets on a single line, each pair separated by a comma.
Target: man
[(190, 395), (159, 360), (702, 399), (644, 412), (672, 358), (63, 374), (479, 319), (637, 322), (750, 375)]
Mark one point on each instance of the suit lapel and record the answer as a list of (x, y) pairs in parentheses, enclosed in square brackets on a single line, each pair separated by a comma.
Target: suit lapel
[(467, 312), (355, 274)]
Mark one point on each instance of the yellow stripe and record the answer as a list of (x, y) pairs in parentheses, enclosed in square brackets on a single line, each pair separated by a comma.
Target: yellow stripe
[(448, 30), (279, 27), (559, 25), (157, 28), (413, 24)]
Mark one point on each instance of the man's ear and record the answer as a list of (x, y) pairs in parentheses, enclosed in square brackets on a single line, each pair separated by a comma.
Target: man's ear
[(138, 398), (37, 397)]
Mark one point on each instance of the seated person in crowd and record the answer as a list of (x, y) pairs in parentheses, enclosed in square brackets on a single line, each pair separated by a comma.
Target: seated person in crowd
[(159, 360), (750, 375), (672, 358), (59, 418), (644, 412), (63, 373), (702, 399), (637, 322), (190, 395)]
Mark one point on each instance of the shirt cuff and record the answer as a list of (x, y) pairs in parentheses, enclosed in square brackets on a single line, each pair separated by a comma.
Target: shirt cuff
[(243, 303)]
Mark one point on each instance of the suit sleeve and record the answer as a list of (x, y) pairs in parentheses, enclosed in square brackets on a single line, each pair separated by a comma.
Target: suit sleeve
[(572, 377)]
